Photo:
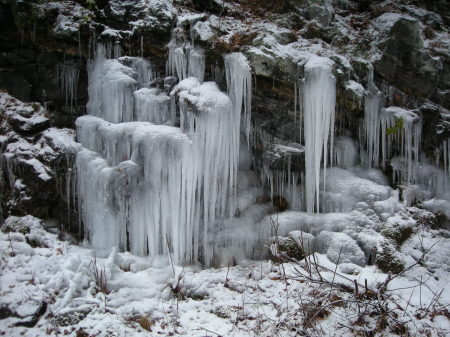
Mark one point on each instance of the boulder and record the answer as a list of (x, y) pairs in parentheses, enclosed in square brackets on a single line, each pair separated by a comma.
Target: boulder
[(331, 243), (404, 62)]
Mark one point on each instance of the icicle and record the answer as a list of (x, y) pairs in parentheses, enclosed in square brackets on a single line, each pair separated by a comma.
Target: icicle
[(197, 64), (67, 75), (371, 137), (319, 99), (239, 84), (177, 62), (111, 85), (406, 129), (213, 130)]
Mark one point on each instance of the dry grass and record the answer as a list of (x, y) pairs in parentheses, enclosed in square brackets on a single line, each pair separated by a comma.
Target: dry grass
[(145, 322)]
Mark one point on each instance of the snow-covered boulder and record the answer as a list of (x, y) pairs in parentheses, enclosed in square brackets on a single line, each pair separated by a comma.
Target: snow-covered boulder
[(333, 243)]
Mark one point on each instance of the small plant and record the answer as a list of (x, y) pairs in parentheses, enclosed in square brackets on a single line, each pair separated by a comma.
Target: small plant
[(399, 123), (91, 5), (397, 233), (145, 322), (86, 19), (387, 259), (98, 276)]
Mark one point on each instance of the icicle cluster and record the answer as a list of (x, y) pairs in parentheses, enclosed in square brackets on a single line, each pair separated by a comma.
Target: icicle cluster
[(319, 99), (68, 75), (155, 189), (185, 61), (372, 126), (406, 132), (151, 105), (132, 190)]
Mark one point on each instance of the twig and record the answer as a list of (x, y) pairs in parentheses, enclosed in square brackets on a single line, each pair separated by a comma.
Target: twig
[(335, 269), (10, 243), (170, 256)]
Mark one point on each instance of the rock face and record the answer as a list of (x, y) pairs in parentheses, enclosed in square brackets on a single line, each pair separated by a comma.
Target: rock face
[(45, 48), (405, 63), (35, 162)]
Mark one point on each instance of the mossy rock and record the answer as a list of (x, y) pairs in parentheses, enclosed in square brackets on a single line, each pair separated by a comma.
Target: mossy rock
[(283, 249), (397, 233), (387, 259)]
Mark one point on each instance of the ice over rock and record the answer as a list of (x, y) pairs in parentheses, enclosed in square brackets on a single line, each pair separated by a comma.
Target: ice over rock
[(161, 189)]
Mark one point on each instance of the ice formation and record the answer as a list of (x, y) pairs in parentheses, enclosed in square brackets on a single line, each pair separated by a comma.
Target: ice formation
[(68, 80), (207, 115), (161, 189), (110, 89), (372, 127), (190, 191), (239, 83), (319, 99), (151, 105), (185, 61), (143, 69)]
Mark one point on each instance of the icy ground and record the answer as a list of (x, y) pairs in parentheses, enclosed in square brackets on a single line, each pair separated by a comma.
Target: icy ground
[(49, 287)]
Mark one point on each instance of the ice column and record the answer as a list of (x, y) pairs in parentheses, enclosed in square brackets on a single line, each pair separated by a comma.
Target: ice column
[(206, 114), (111, 85), (239, 84), (319, 99)]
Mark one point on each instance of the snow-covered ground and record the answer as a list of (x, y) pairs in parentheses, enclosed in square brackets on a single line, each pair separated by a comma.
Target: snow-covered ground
[(48, 287)]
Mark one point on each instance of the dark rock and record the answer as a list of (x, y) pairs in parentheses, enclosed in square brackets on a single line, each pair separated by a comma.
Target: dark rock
[(435, 128), (5, 312), (15, 84), (30, 125), (405, 63), (32, 321)]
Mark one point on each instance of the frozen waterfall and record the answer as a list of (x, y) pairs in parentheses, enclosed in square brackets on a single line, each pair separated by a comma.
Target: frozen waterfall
[(158, 189)]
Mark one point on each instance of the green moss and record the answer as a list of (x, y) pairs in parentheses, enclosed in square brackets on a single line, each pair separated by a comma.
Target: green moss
[(388, 260), (287, 249), (396, 233), (399, 124)]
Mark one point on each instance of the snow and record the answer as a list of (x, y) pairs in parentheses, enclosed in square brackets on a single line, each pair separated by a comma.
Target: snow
[(356, 87), (387, 20), (203, 31), (251, 298)]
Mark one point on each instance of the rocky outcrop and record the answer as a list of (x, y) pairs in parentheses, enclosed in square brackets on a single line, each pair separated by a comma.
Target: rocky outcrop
[(404, 62), (35, 163), (44, 49)]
